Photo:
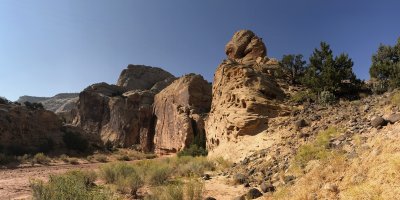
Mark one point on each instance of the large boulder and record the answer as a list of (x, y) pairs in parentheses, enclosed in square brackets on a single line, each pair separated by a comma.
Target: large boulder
[(141, 77), (244, 95), (245, 46), (108, 114), (24, 130), (179, 111)]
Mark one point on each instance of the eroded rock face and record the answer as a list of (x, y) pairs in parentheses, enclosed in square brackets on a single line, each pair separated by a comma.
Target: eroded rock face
[(179, 110), (141, 77), (27, 131), (108, 114), (244, 95), (245, 46)]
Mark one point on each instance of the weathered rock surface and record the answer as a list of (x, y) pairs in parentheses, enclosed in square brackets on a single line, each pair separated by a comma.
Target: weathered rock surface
[(245, 46), (109, 114), (245, 95), (179, 111), (141, 77), (23, 130)]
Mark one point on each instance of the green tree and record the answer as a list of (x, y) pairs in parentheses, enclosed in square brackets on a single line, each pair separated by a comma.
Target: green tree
[(295, 65), (385, 66), (328, 73)]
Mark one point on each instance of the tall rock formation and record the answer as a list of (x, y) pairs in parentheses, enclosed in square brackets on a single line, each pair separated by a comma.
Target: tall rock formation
[(179, 110), (244, 94), (122, 114)]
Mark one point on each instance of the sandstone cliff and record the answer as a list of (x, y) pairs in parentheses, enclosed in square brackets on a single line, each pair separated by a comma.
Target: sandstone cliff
[(122, 114), (245, 94), (179, 110), (23, 130)]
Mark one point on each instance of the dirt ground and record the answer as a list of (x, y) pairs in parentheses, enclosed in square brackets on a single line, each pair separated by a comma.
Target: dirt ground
[(14, 183)]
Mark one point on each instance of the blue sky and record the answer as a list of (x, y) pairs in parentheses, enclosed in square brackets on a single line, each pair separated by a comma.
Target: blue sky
[(48, 47)]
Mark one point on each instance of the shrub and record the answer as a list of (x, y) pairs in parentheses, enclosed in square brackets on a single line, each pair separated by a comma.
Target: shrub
[(123, 175), (192, 166), (193, 150), (101, 158), (395, 100), (327, 98), (123, 158), (73, 161), (193, 190), (40, 158), (158, 174), (6, 159), (72, 185), (304, 96), (33, 106), (75, 141), (168, 192), (64, 158), (318, 150), (3, 100)]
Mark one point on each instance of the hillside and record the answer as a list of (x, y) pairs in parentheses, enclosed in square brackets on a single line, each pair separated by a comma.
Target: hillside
[(59, 103)]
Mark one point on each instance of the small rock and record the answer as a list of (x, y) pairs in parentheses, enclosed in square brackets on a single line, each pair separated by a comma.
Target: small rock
[(331, 187), (267, 187), (300, 124), (253, 193), (206, 177), (378, 121), (393, 118), (210, 198), (246, 184)]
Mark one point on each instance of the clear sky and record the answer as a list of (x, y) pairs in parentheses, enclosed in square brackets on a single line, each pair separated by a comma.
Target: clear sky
[(48, 46)]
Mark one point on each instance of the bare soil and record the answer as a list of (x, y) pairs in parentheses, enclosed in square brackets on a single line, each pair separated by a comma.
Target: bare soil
[(14, 183)]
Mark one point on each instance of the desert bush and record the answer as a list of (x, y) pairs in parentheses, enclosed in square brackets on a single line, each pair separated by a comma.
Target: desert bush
[(318, 150), (64, 158), (193, 189), (33, 106), (73, 161), (6, 159), (188, 166), (71, 185), (41, 158), (168, 192), (75, 141), (326, 98), (101, 158), (24, 158), (123, 158), (395, 99), (193, 150), (123, 175), (303, 96)]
